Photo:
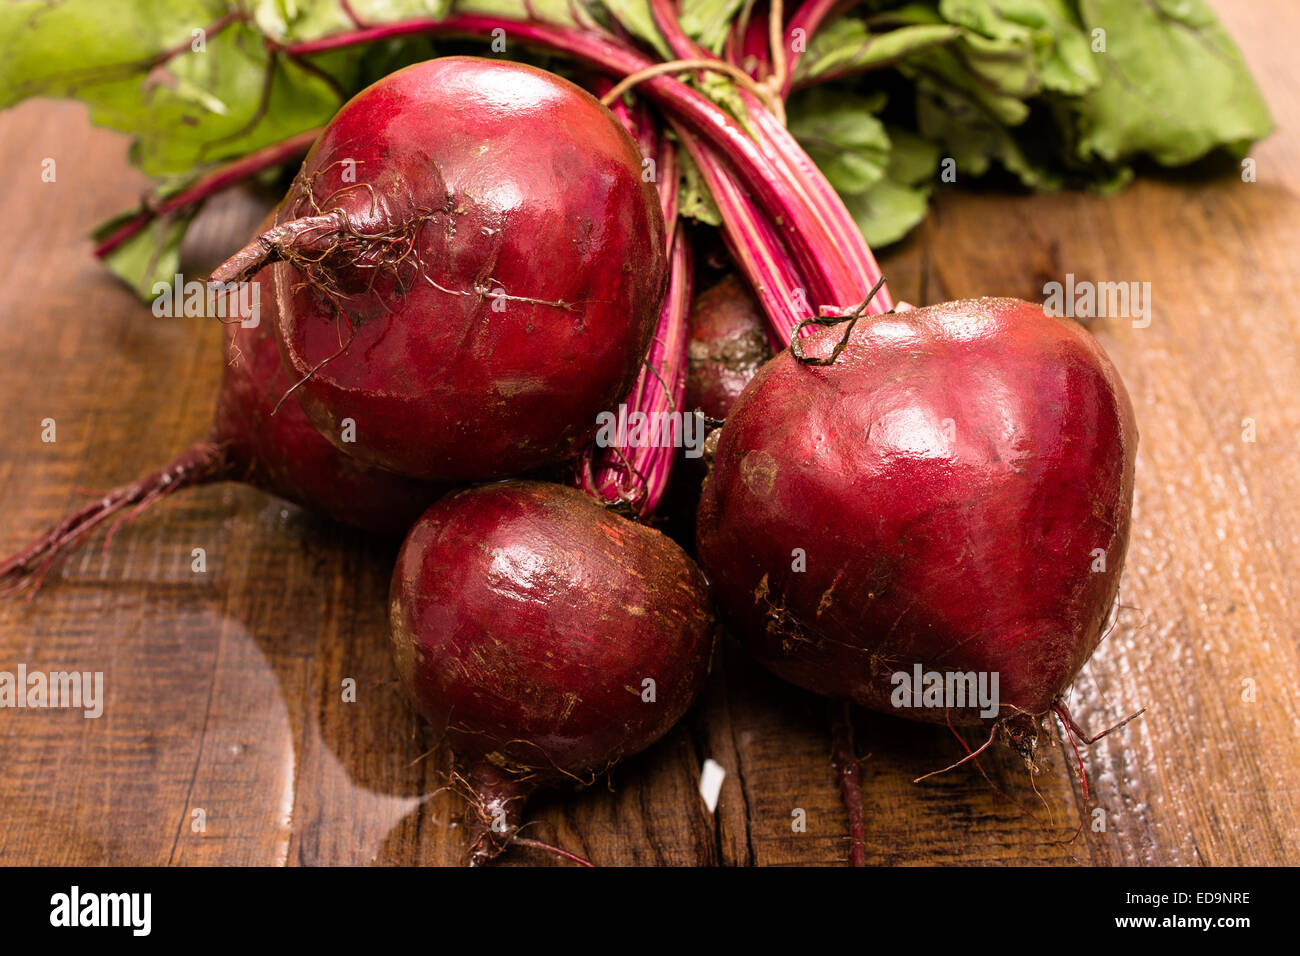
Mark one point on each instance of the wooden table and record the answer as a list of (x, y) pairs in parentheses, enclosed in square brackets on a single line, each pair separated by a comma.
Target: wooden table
[(223, 689)]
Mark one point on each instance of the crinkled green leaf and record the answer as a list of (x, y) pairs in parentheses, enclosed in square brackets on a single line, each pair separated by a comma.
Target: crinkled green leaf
[(913, 160), (848, 46), (1173, 84), (141, 70), (974, 138), (708, 22), (888, 211), (943, 67), (56, 49), (1008, 52), (840, 134), (998, 71), (897, 202), (1046, 35)]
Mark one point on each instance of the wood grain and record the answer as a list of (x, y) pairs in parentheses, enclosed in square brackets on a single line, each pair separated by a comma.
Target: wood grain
[(225, 689)]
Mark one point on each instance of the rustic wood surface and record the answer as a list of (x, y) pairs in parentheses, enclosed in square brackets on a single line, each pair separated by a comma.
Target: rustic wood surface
[(223, 689)]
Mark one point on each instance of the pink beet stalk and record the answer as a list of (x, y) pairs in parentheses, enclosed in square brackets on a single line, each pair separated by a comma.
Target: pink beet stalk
[(808, 17), (755, 247), (860, 269), (846, 263), (636, 473)]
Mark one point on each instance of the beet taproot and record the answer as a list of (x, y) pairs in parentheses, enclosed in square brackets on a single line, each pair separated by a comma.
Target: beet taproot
[(279, 451), (953, 491)]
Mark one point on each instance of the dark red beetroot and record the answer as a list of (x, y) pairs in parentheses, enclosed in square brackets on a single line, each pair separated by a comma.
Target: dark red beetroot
[(281, 453), (728, 346), (532, 618), (952, 478), (471, 270)]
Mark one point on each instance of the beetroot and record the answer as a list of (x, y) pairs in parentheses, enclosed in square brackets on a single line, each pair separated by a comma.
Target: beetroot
[(282, 453), (960, 482), (470, 265), (547, 636), (729, 343)]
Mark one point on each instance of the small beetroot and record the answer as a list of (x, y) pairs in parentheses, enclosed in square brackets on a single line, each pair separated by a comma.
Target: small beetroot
[(547, 636), (729, 343)]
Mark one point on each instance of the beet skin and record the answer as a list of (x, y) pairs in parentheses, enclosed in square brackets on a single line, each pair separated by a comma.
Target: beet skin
[(955, 480)]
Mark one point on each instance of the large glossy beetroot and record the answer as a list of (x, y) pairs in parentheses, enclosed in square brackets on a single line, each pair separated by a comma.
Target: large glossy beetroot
[(953, 491), (470, 265), (547, 636), (258, 439)]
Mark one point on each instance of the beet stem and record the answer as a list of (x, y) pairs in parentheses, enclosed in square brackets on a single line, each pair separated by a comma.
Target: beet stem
[(845, 762), (638, 476), (827, 321), (201, 463), (223, 177), (700, 65)]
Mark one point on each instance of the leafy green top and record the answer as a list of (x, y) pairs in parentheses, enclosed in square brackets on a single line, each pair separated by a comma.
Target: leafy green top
[(1052, 91)]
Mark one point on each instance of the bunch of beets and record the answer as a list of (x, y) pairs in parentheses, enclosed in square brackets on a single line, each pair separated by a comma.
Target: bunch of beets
[(478, 258)]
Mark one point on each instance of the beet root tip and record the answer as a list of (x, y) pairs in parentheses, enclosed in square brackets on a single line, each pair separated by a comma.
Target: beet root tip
[(26, 571), (846, 763), (497, 808)]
